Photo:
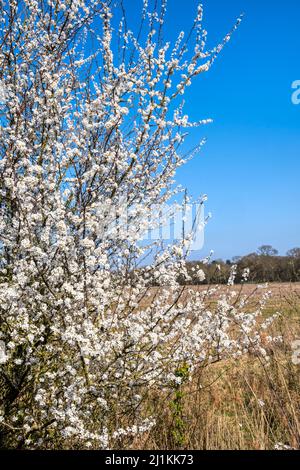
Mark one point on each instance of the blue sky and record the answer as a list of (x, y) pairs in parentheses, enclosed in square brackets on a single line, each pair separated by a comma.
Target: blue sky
[(250, 166)]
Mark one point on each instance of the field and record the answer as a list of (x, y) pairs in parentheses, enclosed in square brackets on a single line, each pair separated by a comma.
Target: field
[(239, 404)]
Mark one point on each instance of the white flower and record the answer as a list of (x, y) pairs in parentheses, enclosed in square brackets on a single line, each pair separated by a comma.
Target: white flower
[(200, 275), (281, 446), (3, 357), (25, 243)]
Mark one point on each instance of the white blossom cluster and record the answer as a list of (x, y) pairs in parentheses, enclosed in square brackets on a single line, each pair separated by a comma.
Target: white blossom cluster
[(92, 112)]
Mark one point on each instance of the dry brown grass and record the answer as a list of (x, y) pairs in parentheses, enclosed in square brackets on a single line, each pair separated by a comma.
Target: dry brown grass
[(242, 404)]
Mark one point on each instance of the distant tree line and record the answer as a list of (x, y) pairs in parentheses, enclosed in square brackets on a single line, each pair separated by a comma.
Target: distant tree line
[(265, 265)]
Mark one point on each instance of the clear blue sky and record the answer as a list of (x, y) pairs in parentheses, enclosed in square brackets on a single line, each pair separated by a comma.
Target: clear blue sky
[(250, 166)]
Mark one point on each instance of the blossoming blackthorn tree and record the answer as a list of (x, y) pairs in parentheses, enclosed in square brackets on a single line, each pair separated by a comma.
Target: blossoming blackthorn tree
[(91, 114)]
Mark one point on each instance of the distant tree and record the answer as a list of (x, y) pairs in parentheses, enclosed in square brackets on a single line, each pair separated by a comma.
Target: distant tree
[(262, 269), (218, 261), (267, 250), (294, 253), (251, 255)]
